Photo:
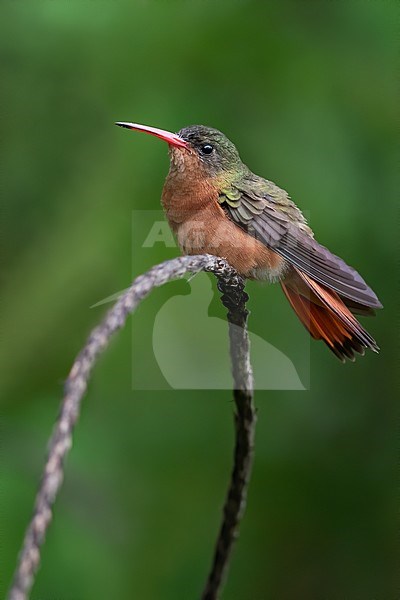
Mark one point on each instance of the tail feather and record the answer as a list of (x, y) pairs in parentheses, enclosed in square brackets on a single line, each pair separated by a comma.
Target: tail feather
[(327, 317)]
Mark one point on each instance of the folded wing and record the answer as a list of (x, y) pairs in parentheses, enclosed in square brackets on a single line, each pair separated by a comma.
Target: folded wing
[(267, 213)]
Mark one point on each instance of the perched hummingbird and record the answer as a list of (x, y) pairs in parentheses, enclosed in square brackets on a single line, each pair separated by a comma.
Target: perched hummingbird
[(214, 204)]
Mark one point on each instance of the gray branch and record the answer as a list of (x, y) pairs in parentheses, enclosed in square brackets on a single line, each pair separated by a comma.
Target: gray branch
[(75, 387), (234, 299)]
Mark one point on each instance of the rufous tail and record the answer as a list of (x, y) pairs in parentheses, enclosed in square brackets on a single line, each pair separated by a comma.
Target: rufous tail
[(327, 318)]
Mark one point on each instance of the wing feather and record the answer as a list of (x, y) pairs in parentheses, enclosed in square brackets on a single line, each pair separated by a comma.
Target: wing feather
[(268, 214)]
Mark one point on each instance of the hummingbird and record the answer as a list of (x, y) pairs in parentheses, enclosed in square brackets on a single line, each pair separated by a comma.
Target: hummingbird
[(215, 205)]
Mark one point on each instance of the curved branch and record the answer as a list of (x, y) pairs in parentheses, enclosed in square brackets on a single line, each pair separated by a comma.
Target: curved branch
[(75, 387)]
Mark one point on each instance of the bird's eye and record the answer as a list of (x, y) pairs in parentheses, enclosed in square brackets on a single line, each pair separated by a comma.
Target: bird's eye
[(207, 148)]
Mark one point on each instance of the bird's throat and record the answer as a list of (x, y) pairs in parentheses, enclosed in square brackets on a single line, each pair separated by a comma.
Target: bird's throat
[(201, 226), (187, 189)]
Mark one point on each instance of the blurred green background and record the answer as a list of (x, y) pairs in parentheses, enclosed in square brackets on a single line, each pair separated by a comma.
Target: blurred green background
[(307, 91)]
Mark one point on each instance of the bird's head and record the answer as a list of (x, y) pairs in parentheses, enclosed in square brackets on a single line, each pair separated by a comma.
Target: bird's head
[(197, 146)]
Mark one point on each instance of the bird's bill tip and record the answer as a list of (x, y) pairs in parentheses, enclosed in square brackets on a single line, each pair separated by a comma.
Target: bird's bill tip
[(171, 138)]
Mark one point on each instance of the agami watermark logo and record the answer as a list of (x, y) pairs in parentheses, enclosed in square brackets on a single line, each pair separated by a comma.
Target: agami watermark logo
[(188, 348)]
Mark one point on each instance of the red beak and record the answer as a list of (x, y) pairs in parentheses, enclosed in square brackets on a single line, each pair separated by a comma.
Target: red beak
[(171, 138)]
